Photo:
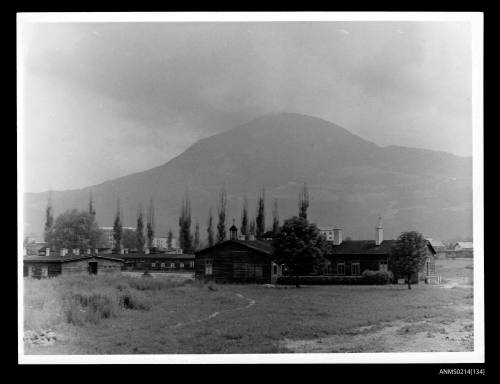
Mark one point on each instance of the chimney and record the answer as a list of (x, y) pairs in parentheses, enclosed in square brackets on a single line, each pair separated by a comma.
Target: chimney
[(76, 251), (96, 251), (337, 236), (47, 251), (126, 250), (251, 237), (63, 251), (379, 232), (122, 251), (146, 251), (89, 251)]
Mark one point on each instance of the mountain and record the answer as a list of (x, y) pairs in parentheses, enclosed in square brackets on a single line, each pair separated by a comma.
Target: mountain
[(351, 182)]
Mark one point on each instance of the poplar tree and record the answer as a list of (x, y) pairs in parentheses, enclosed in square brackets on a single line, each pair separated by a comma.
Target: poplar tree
[(91, 206), (221, 226), (150, 227), (185, 237), (260, 220), (140, 230), (303, 202), (196, 244), (49, 221), (244, 218), (276, 218), (210, 229), (117, 227)]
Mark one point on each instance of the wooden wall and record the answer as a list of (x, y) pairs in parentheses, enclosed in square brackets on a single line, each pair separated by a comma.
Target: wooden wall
[(234, 263)]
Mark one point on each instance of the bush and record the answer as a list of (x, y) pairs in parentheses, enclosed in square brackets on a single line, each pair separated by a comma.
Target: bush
[(376, 277), (89, 307)]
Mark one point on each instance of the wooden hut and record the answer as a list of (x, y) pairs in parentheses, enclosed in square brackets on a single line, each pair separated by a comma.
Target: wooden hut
[(63, 263), (237, 261)]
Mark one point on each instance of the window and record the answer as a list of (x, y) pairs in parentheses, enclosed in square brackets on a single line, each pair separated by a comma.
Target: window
[(208, 267), (181, 265), (45, 271), (191, 264), (172, 265), (275, 269), (383, 266), (31, 271), (153, 265), (162, 265), (340, 268), (355, 268)]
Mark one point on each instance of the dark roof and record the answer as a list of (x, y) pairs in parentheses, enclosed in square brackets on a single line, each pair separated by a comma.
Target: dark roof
[(366, 247), (67, 258), (263, 246), (163, 256), (362, 247)]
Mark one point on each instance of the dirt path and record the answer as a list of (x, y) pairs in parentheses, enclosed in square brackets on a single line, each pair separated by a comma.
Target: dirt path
[(251, 302), (395, 336)]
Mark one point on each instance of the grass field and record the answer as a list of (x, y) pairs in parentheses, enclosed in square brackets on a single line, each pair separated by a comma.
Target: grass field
[(128, 315)]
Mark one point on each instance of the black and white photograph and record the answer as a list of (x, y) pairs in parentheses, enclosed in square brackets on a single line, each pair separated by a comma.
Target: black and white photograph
[(250, 187)]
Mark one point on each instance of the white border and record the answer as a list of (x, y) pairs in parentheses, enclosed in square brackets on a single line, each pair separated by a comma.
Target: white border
[(476, 20)]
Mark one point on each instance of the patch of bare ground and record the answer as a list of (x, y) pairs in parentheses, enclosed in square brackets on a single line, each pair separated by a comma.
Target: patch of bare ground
[(430, 335)]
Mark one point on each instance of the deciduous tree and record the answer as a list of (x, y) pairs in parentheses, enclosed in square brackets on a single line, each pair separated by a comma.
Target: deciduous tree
[(75, 229), (298, 247), (409, 254)]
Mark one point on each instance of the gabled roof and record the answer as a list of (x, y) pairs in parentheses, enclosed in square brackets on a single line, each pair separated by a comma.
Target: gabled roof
[(436, 243), (263, 246)]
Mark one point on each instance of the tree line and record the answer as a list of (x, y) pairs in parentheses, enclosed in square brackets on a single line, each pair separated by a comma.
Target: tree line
[(297, 243)]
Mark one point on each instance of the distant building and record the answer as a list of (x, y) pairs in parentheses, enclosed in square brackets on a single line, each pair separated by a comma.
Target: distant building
[(162, 243), (158, 261), (108, 235), (50, 263), (463, 249), (331, 234)]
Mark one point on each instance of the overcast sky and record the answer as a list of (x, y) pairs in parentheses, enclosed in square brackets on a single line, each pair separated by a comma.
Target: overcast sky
[(103, 100)]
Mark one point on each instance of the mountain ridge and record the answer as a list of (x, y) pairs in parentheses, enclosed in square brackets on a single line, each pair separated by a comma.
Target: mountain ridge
[(349, 177)]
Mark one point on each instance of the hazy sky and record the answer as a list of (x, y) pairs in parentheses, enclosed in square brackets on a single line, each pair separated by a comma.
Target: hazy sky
[(103, 100)]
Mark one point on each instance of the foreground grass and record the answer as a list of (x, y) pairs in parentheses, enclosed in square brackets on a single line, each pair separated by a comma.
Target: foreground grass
[(178, 318)]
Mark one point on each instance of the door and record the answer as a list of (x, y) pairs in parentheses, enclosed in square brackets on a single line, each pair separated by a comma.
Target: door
[(93, 267)]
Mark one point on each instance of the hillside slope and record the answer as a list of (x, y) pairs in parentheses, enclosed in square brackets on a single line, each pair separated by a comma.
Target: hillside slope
[(351, 181)]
